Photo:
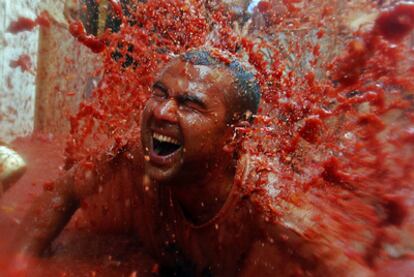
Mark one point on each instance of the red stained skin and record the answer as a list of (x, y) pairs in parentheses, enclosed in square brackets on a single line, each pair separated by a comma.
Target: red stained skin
[(48, 186)]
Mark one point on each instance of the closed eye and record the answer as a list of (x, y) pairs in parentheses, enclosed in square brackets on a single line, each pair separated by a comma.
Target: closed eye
[(192, 102)]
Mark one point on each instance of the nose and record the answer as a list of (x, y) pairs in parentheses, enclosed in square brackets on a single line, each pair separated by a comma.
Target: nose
[(167, 111)]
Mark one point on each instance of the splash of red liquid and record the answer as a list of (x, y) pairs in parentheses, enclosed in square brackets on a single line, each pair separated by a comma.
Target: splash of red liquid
[(393, 25), (336, 133), (264, 6), (26, 24), (24, 62), (396, 23), (327, 149), (21, 24), (78, 31), (311, 130), (116, 7)]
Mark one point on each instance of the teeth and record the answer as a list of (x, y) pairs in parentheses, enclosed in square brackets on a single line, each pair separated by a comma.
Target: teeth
[(165, 138)]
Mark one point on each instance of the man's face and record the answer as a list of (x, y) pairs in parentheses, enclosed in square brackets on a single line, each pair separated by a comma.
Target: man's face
[(184, 121)]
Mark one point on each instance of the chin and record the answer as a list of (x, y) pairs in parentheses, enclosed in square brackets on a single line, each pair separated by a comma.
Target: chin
[(160, 175)]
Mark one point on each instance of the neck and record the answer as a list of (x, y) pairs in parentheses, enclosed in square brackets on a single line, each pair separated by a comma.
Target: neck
[(201, 200)]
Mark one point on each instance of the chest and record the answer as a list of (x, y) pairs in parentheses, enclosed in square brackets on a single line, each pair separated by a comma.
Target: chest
[(218, 247)]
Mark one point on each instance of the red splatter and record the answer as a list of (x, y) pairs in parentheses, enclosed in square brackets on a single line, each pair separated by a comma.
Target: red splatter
[(117, 8), (396, 209), (349, 72), (78, 31), (311, 130), (332, 172), (397, 23), (393, 25), (264, 6), (351, 157), (21, 24), (44, 19), (26, 24), (24, 62)]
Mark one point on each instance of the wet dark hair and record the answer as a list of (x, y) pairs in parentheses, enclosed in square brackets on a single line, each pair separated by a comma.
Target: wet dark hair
[(247, 96)]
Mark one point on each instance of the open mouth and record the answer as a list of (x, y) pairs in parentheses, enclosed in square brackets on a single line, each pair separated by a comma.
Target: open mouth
[(164, 145)]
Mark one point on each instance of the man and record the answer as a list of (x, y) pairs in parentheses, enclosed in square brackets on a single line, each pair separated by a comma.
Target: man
[(178, 189)]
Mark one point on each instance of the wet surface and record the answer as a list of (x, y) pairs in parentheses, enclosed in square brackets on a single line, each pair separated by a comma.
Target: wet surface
[(332, 144), (77, 251)]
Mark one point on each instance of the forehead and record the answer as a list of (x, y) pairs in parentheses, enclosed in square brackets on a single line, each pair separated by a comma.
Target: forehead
[(182, 76)]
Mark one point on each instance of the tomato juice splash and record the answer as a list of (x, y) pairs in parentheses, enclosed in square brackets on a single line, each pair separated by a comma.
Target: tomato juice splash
[(338, 145), (332, 145), (333, 138), (24, 62), (26, 24), (78, 31)]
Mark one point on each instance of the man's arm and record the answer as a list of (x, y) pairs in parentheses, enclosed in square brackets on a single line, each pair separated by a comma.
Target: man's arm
[(47, 217), (52, 210)]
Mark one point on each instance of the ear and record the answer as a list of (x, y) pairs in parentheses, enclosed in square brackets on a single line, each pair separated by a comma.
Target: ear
[(229, 139), (242, 119)]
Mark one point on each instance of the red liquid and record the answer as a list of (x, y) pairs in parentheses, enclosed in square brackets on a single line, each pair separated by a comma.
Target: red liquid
[(331, 156), (22, 24), (93, 43), (24, 62), (397, 23), (116, 7), (264, 6), (26, 24), (341, 145)]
